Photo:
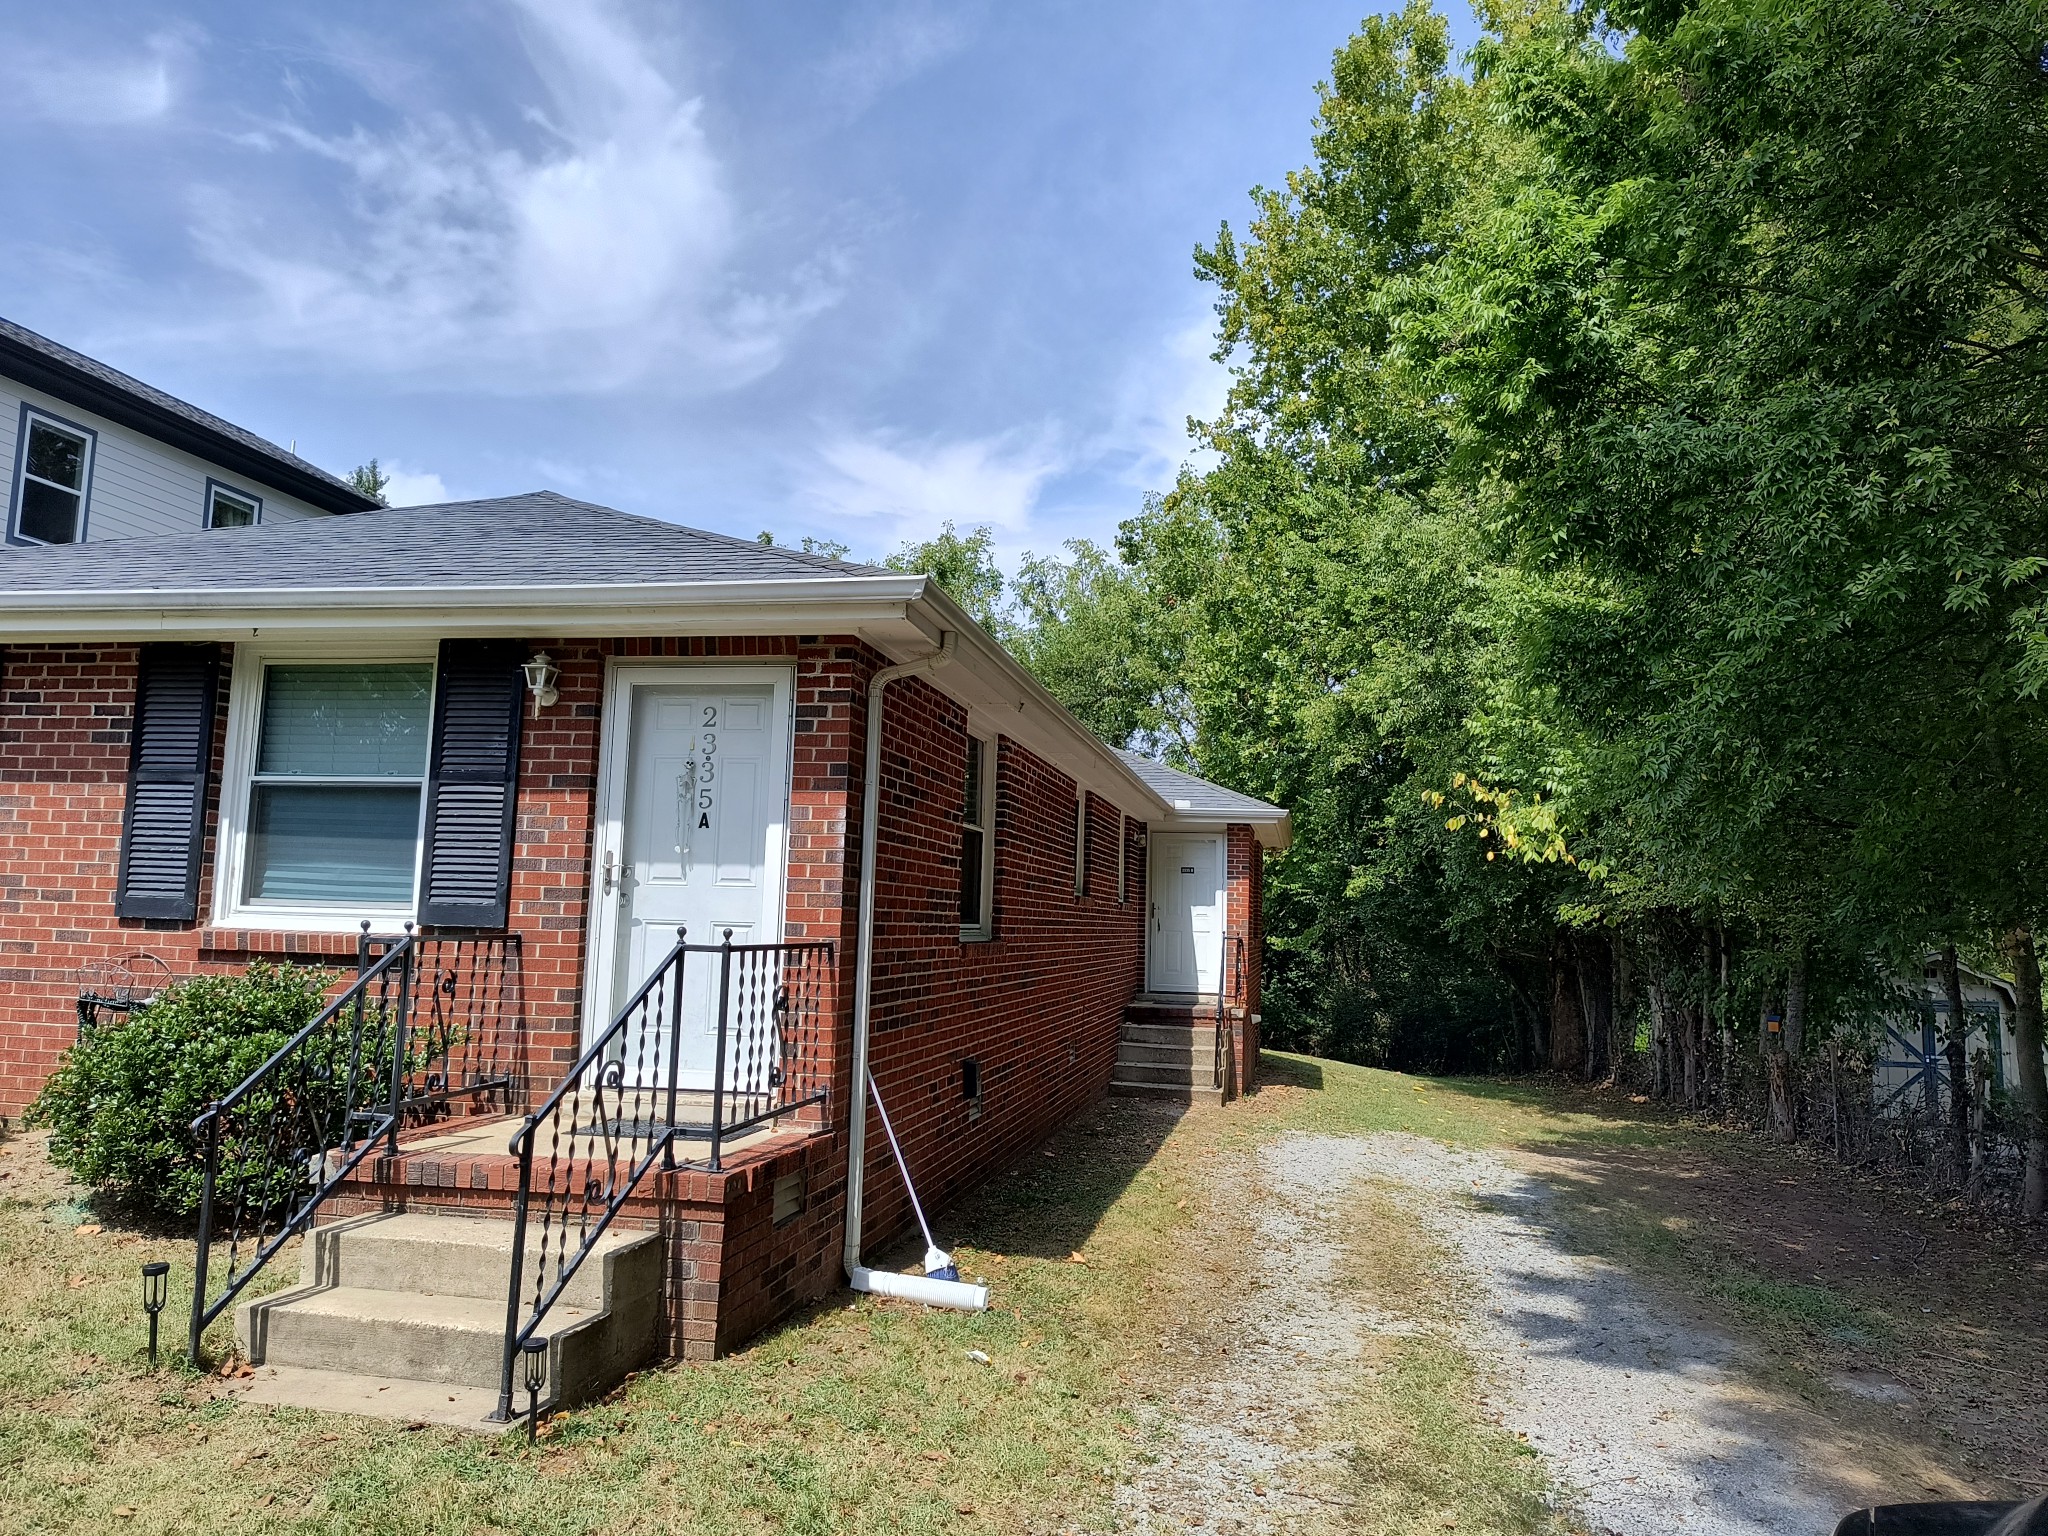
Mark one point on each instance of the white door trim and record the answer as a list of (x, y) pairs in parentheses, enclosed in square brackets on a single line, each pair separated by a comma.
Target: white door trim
[(608, 830)]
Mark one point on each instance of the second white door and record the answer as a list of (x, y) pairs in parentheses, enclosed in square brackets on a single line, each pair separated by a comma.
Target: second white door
[(1186, 949)]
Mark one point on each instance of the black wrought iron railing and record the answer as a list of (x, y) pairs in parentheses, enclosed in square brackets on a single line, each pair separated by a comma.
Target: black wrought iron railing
[(625, 1107), (467, 1031), (423, 1024), (298, 1125), (1229, 984)]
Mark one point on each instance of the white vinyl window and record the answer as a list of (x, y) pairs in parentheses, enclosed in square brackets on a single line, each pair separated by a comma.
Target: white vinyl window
[(1081, 850), (977, 842), (50, 491), (227, 508), (1123, 857), (328, 766)]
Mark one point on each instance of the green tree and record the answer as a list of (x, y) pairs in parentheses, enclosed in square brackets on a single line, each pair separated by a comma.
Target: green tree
[(964, 566), (370, 480)]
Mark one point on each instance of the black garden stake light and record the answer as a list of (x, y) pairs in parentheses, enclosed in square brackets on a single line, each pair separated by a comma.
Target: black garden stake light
[(536, 1351), (156, 1290)]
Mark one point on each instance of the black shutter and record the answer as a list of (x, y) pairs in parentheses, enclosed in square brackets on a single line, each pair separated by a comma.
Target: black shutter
[(472, 785), (170, 750)]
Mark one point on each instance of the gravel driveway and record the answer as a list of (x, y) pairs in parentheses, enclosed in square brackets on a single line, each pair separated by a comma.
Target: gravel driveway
[(1639, 1416)]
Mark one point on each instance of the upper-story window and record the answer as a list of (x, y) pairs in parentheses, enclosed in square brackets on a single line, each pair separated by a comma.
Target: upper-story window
[(51, 482), (977, 824), (228, 508)]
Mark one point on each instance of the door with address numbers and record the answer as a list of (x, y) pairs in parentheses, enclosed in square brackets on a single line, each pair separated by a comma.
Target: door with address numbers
[(696, 840)]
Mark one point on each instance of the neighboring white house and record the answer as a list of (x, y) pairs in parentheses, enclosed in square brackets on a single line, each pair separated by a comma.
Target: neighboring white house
[(1911, 1046), (93, 454)]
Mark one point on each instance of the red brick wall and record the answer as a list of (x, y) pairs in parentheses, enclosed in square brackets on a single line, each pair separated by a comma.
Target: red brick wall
[(65, 715), (1038, 1006), (1246, 900)]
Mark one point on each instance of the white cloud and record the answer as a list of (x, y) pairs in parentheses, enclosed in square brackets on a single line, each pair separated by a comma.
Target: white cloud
[(105, 91), (599, 251), (413, 487), (1160, 390), (890, 491), (903, 45)]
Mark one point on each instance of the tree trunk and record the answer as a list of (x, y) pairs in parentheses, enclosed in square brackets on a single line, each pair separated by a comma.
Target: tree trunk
[(1777, 1072), (1727, 1025), (1795, 1001), (1595, 1001), (1980, 1110), (1567, 1029), (2032, 1075), (1660, 1039), (1621, 1022), (1955, 1051)]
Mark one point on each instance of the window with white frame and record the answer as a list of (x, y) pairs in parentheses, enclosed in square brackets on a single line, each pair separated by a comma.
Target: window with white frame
[(1123, 857), (228, 508), (1081, 850), (328, 767), (977, 841), (50, 489)]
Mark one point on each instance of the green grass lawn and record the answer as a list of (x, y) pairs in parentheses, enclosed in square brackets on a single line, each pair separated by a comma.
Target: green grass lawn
[(864, 1416)]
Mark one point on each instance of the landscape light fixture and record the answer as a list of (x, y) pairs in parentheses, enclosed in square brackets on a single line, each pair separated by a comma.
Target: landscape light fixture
[(541, 676), (156, 1290), (536, 1352)]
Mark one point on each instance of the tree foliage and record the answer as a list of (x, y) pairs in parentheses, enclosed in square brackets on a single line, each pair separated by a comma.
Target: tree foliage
[(1628, 544)]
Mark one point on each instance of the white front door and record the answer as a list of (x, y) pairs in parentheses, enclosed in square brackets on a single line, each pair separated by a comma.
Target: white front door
[(692, 836), (1186, 952)]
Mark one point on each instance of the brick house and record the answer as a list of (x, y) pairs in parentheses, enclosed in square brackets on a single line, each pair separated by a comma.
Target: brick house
[(487, 760)]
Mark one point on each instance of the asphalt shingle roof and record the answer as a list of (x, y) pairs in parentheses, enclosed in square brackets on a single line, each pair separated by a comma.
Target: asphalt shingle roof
[(86, 381), (539, 539), (1193, 796)]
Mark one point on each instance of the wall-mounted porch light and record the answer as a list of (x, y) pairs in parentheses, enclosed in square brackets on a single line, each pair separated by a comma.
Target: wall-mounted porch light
[(541, 675)]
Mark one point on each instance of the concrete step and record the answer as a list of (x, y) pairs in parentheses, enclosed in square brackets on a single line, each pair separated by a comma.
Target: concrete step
[(1178, 1093), (1186, 1053), (409, 1298), (1137, 1012), (444, 1256), (1202, 1075), (1194, 1036), (382, 1397)]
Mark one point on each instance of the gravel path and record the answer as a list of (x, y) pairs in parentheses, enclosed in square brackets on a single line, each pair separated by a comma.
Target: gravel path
[(1638, 1415)]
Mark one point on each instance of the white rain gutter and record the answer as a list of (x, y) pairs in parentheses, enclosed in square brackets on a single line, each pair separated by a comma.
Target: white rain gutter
[(936, 1292)]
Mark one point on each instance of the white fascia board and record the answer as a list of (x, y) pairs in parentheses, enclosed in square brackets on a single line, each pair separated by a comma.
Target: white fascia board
[(832, 605)]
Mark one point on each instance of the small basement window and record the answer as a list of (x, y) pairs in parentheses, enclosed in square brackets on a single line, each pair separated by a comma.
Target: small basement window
[(977, 845), (50, 491), (227, 508), (327, 800)]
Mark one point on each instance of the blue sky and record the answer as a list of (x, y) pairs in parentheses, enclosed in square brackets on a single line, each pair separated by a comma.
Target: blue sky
[(846, 270)]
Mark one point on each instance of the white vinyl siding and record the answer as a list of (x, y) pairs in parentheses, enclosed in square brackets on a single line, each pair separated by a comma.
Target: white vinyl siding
[(139, 486)]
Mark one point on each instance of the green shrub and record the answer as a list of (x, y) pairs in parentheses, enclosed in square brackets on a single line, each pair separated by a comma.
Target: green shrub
[(120, 1105)]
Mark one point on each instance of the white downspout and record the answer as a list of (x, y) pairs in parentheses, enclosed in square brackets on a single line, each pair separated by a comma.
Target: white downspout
[(864, 950)]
